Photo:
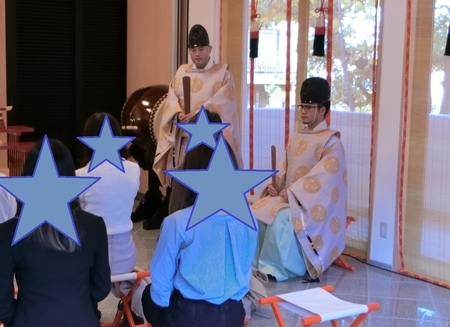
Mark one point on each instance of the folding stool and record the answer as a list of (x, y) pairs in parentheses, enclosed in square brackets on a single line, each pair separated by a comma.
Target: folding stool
[(317, 305), (126, 312)]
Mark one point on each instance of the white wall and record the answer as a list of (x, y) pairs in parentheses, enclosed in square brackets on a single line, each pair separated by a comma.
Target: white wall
[(207, 13), (386, 163)]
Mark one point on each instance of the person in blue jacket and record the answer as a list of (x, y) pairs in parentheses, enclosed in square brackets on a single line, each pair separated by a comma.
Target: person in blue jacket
[(199, 276), (59, 282)]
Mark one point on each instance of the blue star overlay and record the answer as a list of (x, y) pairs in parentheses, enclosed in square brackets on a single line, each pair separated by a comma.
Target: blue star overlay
[(202, 131), (46, 196), (106, 146), (229, 185)]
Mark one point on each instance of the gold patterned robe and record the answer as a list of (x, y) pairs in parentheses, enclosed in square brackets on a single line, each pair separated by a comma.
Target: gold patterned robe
[(213, 87), (314, 172)]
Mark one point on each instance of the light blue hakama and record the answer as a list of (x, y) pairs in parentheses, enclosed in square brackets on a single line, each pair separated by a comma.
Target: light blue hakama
[(280, 254)]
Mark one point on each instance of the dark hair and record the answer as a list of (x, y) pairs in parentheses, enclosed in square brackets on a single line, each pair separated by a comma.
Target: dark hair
[(213, 117), (325, 104), (198, 158), (61, 154), (93, 126), (48, 236)]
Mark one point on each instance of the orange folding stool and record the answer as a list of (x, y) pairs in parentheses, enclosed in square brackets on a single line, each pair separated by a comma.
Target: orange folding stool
[(125, 312), (315, 299)]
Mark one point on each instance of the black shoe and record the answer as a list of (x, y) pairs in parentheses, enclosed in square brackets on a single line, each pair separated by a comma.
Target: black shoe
[(147, 209), (156, 221), (136, 218), (271, 278), (307, 279)]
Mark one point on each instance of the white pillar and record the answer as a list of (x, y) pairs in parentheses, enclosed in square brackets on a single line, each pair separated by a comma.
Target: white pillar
[(387, 145)]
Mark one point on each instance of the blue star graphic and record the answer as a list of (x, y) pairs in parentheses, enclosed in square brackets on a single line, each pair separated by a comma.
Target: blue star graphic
[(221, 187), (106, 146), (46, 196), (202, 131)]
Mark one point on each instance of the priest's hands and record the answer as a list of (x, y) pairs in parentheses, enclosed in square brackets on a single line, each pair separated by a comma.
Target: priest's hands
[(283, 195), (274, 192), (185, 118)]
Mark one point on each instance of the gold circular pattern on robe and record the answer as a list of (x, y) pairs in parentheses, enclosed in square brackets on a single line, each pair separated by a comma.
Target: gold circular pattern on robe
[(334, 254), (176, 83), (259, 204), (318, 213), (275, 209), (300, 172), (332, 165), (298, 224), (318, 152), (311, 185), (317, 243), (229, 93), (335, 225), (300, 148), (344, 177), (216, 87), (335, 195), (196, 85)]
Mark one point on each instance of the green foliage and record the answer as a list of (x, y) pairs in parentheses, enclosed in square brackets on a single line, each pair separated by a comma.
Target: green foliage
[(441, 23), (275, 11), (353, 54), (355, 31), (353, 47)]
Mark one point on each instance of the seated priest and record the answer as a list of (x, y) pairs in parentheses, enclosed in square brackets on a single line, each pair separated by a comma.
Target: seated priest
[(302, 218)]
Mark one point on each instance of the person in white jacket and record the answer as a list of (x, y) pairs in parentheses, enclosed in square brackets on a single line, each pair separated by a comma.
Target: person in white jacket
[(112, 197)]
